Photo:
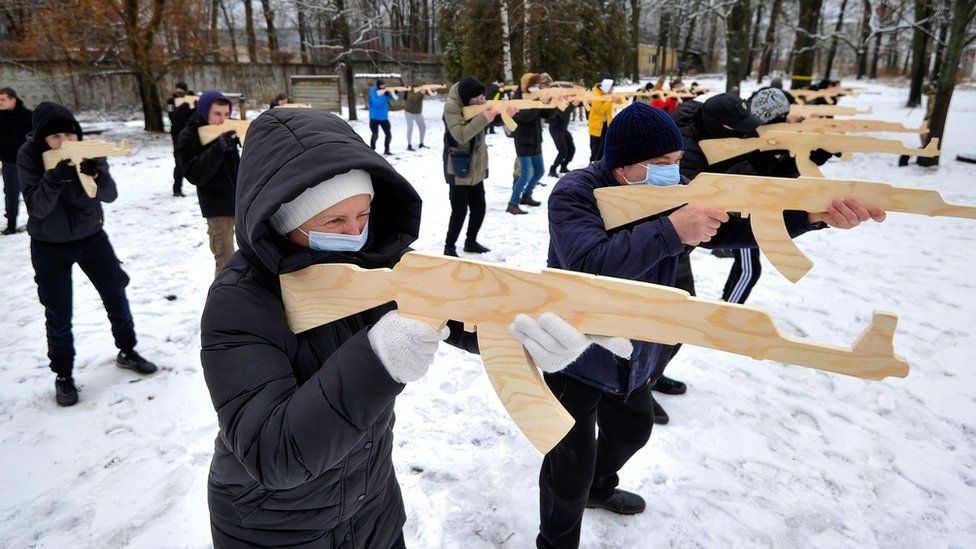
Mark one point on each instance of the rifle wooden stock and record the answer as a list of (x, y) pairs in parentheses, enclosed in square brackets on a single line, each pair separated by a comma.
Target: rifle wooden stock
[(76, 151), (428, 89), (800, 145), (834, 125), (209, 133), (190, 100), (826, 110), (764, 199), (831, 95), (488, 297), (501, 105), (294, 106)]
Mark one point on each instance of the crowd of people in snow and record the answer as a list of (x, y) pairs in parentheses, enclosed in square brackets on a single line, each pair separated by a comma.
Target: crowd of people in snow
[(304, 452)]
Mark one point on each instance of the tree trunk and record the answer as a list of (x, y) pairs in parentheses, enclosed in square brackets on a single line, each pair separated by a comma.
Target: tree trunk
[(766, 63), (252, 42), (303, 34), (736, 44), (685, 59), (230, 29), (214, 44), (862, 44), (662, 41), (140, 41), (833, 41), (272, 33), (804, 46), (347, 61), (506, 43), (526, 36), (940, 49), (712, 38), (875, 55), (635, 39), (754, 43), (963, 12)]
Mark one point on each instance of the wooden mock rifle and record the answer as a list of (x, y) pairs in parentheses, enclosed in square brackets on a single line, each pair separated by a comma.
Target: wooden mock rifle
[(294, 106), (800, 145), (428, 89), (190, 100), (501, 106), (209, 132), (826, 110), (835, 125), (487, 297), (764, 199), (831, 95), (76, 151)]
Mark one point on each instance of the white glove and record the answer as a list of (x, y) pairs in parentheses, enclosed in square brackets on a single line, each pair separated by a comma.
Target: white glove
[(405, 346), (553, 344)]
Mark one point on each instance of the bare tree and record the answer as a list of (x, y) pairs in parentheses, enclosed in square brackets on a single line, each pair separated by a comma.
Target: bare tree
[(272, 33), (804, 48), (833, 41), (765, 63), (252, 42)]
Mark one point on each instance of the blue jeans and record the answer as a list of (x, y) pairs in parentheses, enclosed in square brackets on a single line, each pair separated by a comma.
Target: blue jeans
[(532, 170)]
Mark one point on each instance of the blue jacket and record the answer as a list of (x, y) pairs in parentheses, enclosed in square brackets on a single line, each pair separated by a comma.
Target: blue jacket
[(647, 251), (379, 105)]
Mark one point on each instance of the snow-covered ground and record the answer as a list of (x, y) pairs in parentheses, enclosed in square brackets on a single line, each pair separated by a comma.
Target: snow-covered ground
[(757, 454)]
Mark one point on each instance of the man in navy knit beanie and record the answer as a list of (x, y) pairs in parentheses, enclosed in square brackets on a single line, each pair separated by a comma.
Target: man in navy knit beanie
[(642, 147)]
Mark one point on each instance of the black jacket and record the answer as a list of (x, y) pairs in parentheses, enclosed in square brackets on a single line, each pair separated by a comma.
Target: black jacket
[(528, 135), (688, 119), (59, 210), (14, 126), (213, 171), (559, 120), (303, 455), (178, 117)]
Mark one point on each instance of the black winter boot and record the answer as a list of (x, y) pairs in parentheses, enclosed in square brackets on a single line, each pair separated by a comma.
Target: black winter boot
[(450, 250), (563, 169), (670, 386), (552, 172), (621, 502), (422, 146), (473, 247), (515, 210), (65, 392), (134, 361), (528, 201), (660, 416)]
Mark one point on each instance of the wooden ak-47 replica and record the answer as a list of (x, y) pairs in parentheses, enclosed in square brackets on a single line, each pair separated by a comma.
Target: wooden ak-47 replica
[(294, 106), (830, 95), (800, 145), (76, 151), (840, 125), (428, 89), (826, 110), (764, 199), (209, 133), (487, 297), (190, 100), (502, 106)]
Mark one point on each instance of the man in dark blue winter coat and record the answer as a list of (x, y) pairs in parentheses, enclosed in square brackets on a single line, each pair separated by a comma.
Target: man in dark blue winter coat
[(642, 146), (15, 124), (65, 226)]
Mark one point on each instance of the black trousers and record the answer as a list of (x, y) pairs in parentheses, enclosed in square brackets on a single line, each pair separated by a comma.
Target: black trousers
[(743, 277), (464, 197), (596, 145), (177, 172), (565, 146), (52, 272), (584, 464), (11, 193), (686, 282), (374, 126)]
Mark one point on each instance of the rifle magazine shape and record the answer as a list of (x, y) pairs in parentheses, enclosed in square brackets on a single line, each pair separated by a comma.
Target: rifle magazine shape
[(764, 199), (488, 297)]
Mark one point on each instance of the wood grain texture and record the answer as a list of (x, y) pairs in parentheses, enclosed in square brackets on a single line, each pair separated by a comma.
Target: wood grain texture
[(501, 106), (826, 110), (488, 297), (190, 100), (209, 132), (840, 125), (76, 151), (764, 199)]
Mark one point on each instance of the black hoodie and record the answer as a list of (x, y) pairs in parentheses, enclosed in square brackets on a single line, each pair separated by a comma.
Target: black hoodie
[(210, 168), (59, 210), (304, 452), (15, 124)]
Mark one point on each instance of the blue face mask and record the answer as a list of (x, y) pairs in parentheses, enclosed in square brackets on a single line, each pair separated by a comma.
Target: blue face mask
[(662, 176), (331, 242)]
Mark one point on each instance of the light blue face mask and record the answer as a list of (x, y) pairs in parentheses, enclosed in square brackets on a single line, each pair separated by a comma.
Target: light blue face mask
[(331, 242), (661, 176)]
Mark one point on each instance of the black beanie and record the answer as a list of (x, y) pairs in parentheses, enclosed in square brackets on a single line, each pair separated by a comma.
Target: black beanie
[(182, 86), (470, 87), (638, 133)]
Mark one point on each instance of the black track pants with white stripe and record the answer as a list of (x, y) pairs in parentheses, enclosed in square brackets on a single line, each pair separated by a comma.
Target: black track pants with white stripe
[(745, 273)]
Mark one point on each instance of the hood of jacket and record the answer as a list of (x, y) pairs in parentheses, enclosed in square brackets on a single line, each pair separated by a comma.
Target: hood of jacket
[(289, 150), (46, 115)]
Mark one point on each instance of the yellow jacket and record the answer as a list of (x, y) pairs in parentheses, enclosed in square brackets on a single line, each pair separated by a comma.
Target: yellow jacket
[(600, 112)]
